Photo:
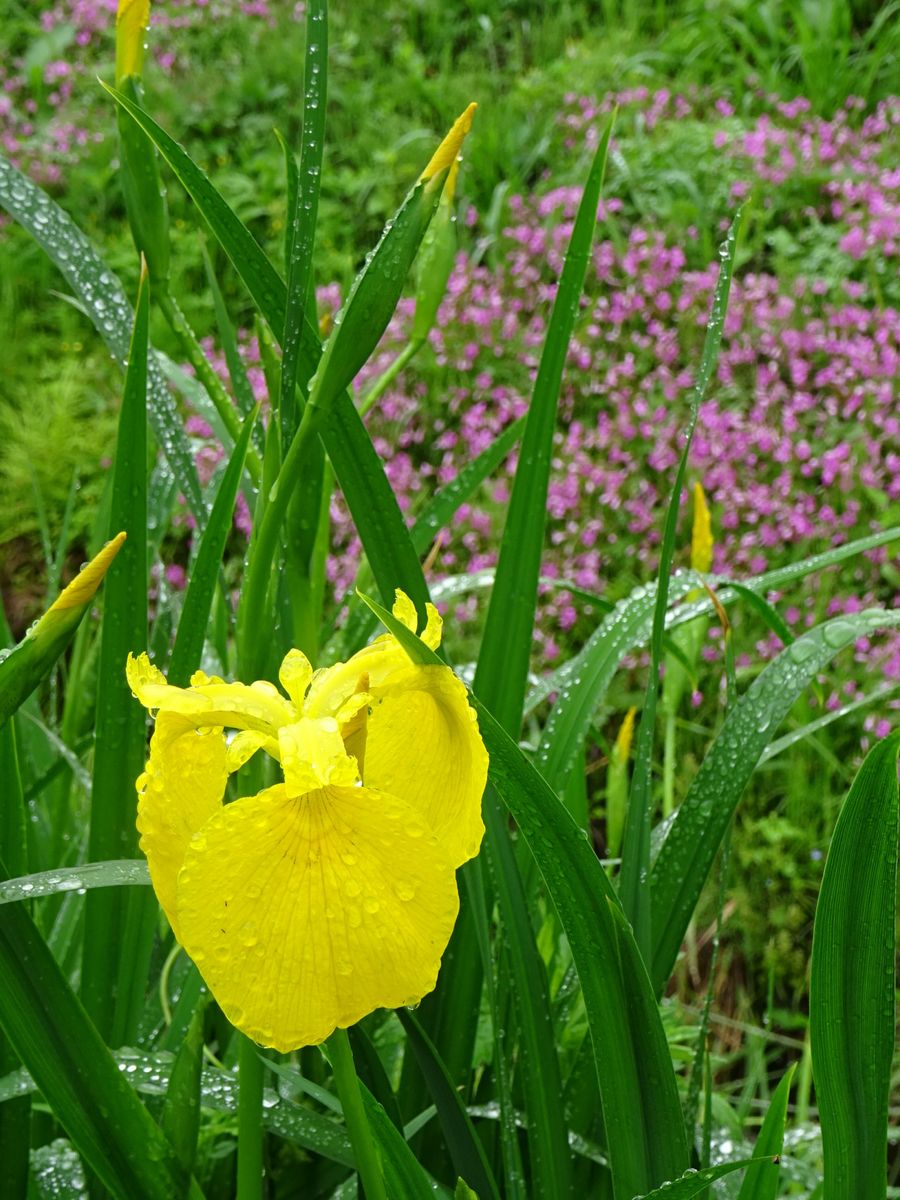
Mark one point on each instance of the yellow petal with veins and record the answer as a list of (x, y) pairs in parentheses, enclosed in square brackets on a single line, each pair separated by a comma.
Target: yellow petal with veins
[(182, 786), (305, 914), (423, 745)]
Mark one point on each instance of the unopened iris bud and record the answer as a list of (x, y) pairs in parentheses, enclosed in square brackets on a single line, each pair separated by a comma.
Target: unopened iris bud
[(701, 534), (145, 196)]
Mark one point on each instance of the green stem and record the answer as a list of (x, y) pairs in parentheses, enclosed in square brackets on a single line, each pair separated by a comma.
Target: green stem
[(669, 767), (387, 377), (264, 545), (347, 1082), (213, 385), (250, 1133)]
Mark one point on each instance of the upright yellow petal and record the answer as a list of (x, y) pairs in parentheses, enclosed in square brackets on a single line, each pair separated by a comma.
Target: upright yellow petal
[(294, 675), (423, 744), (305, 914), (404, 610), (182, 786), (701, 534), (332, 688)]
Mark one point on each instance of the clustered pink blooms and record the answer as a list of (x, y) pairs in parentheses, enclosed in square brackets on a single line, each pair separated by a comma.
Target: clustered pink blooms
[(797, 444)]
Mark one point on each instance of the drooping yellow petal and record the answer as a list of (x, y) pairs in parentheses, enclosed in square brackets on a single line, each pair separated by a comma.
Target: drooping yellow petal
[(446, 153), (313, 755), (245, 744), (701, 534), (423, 745), (132, 19), (182, 786), (305, 914), (235, 705)]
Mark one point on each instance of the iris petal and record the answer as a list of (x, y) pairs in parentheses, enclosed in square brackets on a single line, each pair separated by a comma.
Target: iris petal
[(181, 788), (236, 705), (304, 914), (313, 755), (423, 744)]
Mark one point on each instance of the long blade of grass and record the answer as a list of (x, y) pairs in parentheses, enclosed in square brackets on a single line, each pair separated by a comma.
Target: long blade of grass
[(263, 281), (805, 731), (100, 293), (684, 861), (122, 872), (500, 679), (698, 1181), (67, 1059), (373, 504), (434, 517), (195, 612), (538, 1063), (582, 682), (302, 217), (120, 723), (761, 1180), (505, 653), (851, 993), (636, 843), (15, 1116), (465, 1146), (640, 1100)]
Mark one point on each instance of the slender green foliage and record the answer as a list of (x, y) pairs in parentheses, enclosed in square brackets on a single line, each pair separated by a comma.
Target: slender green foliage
[(120, 724), (636, 845), (852, 988)]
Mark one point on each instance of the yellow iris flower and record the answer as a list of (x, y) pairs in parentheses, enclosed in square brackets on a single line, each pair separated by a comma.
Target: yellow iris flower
[(332, 893)]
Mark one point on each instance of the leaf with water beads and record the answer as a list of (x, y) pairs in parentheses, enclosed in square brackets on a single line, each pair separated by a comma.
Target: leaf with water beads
[(852, 985), (693, 1182), (100, 294), (125, 872), (690, 847)]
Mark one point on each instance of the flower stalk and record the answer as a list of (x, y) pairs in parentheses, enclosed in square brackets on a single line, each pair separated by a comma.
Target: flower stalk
[(347, 1082)]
